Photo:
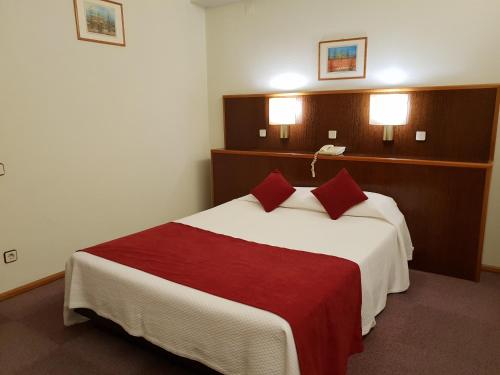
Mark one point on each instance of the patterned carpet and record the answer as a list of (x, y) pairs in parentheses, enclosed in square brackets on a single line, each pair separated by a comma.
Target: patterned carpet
[(440, 326)]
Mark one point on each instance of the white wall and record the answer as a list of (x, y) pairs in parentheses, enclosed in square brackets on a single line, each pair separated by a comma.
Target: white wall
[(99, 141), (410, 43)]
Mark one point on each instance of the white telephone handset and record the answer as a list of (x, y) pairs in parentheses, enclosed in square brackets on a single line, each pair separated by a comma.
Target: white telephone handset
[(326, 150), (330, 150)]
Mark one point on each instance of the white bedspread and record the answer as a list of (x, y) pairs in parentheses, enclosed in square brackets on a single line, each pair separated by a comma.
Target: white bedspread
[(227, 336)]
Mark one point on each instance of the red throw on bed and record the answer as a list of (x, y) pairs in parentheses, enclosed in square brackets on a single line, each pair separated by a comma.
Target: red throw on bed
[(319, 295)]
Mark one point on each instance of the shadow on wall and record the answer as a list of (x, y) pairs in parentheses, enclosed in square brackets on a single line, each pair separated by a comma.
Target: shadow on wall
[(204, 168)]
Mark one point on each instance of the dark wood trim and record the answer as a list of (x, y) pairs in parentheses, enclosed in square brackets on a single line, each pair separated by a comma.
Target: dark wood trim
[(482, 226), (96, 40), (367, 90), (487, 268), (361, 158), (495, 127), (33, 285)]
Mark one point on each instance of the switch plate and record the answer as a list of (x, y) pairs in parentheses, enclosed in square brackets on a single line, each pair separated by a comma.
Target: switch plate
[(332, 134), (10, 256), (262, 133), (421, 136)]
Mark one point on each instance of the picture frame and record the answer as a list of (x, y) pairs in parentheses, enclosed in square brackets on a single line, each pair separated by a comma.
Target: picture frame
[(342, 59), (100, 21)]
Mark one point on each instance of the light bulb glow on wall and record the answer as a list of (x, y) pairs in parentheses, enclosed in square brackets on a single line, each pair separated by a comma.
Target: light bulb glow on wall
[(389, 110), (288, 81), (392, 76)]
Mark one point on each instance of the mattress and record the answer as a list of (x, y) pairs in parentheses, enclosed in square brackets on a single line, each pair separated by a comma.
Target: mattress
[(227, 336)]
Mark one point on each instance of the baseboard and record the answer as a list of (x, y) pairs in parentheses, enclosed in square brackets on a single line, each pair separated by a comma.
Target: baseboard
[(30, 286), (487, 268)]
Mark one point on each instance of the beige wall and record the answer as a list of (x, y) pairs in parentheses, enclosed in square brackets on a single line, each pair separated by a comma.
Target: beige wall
[(99, 141), (410, 43)]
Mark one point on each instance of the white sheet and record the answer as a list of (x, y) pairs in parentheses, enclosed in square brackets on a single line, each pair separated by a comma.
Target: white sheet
[(377, 206), (230, 337)]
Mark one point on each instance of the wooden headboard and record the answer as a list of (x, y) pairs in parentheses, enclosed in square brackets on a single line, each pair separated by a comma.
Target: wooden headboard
[(441, 185), (460, 123)]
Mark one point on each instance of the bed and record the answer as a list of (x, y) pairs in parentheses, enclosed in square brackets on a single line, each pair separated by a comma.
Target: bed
[(228, 336)]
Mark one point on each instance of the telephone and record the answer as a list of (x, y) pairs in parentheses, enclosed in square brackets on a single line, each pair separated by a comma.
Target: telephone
[(326, 150), (331, 150)]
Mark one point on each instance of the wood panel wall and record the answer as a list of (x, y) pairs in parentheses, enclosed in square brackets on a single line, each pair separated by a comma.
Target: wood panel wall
[(443, 204), (459, 123), (441, 185)]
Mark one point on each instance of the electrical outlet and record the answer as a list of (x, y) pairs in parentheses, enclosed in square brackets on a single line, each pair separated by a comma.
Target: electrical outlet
[(421, 136), (10, 256), (332, 134)]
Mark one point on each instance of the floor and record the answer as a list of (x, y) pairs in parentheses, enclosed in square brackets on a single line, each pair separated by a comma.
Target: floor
[(440, 326)]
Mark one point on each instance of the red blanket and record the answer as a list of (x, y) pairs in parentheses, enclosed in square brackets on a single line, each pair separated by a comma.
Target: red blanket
[(319, 295)]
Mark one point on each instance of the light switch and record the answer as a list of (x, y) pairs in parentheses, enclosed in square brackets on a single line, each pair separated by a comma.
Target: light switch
[(420, 136), (332, 134), (262, 133)]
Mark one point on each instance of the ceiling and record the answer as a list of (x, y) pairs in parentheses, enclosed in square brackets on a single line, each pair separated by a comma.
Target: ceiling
[(213, 3)]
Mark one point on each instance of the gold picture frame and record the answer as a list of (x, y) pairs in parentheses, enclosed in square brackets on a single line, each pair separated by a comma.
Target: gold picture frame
[(100, 21), (342, 59)]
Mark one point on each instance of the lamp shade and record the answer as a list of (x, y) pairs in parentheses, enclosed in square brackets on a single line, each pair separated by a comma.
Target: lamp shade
[(389, 109), (283, 111)]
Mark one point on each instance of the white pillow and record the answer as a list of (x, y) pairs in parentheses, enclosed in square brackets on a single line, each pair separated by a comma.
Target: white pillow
[(376, 206), (303, 199)]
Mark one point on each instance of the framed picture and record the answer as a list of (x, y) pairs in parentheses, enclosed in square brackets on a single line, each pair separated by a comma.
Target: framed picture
[(100, 21), (342, 59)]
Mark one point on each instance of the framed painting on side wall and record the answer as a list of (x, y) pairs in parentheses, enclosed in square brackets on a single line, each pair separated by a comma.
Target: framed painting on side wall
[(342, 59), (100, 21)]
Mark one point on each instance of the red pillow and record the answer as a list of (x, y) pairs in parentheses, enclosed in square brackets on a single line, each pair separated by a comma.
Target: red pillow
[(272, 191), (339, 194)]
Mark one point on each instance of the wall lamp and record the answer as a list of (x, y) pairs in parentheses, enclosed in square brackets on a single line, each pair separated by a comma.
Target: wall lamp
[(389, 110), (284, 112)]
